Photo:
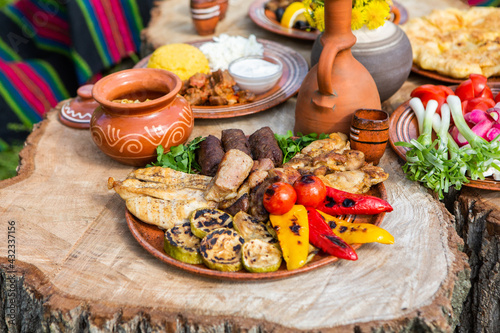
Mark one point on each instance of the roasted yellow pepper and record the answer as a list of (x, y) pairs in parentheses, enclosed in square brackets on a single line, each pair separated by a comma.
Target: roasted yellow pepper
[(292, 229), (357, 233)]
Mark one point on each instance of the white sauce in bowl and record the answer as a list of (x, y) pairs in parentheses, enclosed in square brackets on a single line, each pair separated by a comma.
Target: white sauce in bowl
[(254, 68)]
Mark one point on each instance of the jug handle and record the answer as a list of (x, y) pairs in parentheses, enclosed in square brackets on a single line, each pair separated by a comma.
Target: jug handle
[(325, 65)]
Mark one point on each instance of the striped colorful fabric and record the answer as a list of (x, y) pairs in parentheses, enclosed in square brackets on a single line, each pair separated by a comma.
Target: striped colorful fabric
[(484, 3), (48, 48)]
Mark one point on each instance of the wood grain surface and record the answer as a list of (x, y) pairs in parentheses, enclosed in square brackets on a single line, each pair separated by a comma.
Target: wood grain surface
[(79, 269), (74, 248)]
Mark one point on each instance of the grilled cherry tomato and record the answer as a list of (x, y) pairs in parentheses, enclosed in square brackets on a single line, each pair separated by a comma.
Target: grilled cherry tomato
[(279, 198), (311, 191)]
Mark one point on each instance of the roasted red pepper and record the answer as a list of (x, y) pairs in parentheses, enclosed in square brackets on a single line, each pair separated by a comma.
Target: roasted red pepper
[(321, 236), (343, 203)]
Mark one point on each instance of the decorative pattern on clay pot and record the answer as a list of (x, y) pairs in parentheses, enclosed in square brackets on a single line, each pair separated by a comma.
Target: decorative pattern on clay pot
[(339, 84), (385, 52), (130, 132), (76, 112), (206, 14)]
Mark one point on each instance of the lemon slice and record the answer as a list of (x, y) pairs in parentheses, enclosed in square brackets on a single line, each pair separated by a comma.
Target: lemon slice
[(293, 13)]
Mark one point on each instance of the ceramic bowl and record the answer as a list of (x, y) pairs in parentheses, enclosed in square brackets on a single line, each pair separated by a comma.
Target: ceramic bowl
[(131, 132), (251, 76)]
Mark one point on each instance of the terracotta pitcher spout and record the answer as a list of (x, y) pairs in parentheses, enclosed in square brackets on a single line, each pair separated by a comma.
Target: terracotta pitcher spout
[(338, 85)]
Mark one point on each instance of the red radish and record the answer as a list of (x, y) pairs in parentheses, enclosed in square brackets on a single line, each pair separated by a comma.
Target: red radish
[(482, 127), (459, 139), (476, 116), (493, 133), (494, 113)]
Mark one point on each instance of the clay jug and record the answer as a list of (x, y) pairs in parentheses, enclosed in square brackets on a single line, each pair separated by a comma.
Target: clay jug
[(339, 84)]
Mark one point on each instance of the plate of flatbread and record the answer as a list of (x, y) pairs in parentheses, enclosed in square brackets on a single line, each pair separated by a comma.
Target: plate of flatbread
[(450, 44)]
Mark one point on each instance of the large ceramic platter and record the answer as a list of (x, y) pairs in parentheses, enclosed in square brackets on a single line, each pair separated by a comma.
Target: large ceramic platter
[(436, 76), (266, 19), (151, 238), (404, 127), (295, 68)]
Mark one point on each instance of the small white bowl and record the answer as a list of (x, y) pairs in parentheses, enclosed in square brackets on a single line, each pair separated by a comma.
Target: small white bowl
[(253, 75)]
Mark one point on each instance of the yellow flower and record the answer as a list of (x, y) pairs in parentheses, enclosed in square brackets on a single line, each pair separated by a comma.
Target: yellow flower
[(371, 13), (376, 13), (358, 18), (319, 18)]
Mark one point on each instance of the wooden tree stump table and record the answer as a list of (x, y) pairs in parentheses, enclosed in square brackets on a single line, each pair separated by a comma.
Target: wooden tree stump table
[(78, 268), (478, 223)]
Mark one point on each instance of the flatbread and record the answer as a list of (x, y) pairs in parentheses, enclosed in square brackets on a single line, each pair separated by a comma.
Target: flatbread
[(456, 42)]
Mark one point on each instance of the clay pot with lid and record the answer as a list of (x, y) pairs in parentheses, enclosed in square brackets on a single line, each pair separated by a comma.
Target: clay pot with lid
[(339, 84), (130, 132)]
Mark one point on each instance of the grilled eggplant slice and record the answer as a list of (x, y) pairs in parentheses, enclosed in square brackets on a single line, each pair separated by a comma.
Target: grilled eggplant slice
[(250, 228), (259, 256), (181, 244), (221, 250), (204, 220)]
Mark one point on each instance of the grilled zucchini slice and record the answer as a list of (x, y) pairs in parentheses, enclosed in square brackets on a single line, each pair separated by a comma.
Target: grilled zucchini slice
[(204, 220), (259, 256), (249, 227), (181, 244), (221, 250)]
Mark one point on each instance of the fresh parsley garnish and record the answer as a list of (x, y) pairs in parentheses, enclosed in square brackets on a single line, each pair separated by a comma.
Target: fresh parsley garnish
[(292, 144), (180, 158)]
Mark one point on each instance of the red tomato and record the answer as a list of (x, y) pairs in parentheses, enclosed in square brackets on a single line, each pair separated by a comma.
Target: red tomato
[(311, 191), (486, 93), (446, 90), (478, 83), (279, 198), (465, 90), (427, 92), (480, 103), (497, 98)]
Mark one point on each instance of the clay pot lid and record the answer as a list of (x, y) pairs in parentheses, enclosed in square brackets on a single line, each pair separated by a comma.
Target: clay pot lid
[(77, 112)]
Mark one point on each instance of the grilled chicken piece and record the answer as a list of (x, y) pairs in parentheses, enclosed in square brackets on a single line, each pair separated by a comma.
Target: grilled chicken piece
[(165, 213), (299, 161), (130, 188), (233, 170), (377, 174), (171, 177), (336, 141), (355, 181), (355, 159), (286, 174)]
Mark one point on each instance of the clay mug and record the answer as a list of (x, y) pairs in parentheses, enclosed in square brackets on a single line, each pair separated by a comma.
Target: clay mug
[(139, 109), (205, 14), (223, 4), (369, 133)]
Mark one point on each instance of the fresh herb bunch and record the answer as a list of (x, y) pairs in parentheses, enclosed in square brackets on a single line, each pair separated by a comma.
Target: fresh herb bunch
[(291, 145), (180, 158)]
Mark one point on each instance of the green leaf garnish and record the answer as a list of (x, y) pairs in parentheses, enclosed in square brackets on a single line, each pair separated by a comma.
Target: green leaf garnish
[(291, 145), (180, 158)]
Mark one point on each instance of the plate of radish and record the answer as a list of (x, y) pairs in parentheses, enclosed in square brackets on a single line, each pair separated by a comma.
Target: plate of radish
[(450, 136)]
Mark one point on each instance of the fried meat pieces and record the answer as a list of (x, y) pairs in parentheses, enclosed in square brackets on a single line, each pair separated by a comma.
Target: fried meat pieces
[(215, 89)]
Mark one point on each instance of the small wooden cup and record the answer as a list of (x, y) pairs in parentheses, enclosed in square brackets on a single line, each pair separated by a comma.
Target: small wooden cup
[(205, 15), (369, 133)]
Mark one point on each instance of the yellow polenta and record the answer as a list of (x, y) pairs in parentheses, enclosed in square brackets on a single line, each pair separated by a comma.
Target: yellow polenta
[(182, 59)]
